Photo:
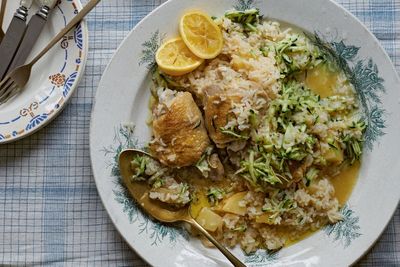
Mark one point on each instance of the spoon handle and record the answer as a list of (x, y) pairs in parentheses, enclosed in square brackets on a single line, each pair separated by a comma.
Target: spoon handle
[(235, 261)]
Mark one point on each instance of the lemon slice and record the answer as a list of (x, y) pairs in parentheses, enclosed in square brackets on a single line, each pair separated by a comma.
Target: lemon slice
[(175, 59), (201, 34)]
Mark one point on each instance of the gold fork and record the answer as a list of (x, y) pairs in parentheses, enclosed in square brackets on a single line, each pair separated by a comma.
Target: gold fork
[(2, 10), (13, 83)]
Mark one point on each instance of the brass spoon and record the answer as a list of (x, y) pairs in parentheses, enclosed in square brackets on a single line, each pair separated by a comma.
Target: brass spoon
[(160, 211)]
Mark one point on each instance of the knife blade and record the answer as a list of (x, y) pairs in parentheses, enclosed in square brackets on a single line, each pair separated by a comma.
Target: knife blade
[(33, 30), (12, 39)]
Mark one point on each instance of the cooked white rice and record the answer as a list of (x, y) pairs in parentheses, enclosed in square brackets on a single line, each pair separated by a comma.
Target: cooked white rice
[(283, 160)]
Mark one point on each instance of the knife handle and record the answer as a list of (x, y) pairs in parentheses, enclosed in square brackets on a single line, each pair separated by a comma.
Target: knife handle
[(44, 12), (32, 33), (2, 11), (21, 13), (12, 39)]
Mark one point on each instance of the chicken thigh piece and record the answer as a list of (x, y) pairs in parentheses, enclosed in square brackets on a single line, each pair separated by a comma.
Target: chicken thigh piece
[(217, 111), (230, 108), (180, 137)]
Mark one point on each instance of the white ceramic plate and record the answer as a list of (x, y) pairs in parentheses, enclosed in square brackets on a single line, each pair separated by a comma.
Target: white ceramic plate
[(122, 103), (54, 78)]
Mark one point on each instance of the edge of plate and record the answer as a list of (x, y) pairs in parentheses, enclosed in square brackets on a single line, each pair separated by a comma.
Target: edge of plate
[(91, 126), (73, 88), (375, 39)]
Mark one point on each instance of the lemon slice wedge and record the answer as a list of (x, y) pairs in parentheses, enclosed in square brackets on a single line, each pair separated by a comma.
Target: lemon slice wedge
[(201, 34), (175, 59)]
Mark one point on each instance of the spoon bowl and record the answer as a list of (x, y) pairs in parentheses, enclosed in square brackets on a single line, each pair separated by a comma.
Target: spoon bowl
[(162, 211), (140, 192)]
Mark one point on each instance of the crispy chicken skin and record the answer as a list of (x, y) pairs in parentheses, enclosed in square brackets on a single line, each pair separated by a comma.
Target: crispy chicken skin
[(217, 110), (180, 137)]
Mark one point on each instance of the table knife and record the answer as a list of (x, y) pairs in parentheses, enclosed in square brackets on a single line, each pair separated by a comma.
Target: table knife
[(33, 30), (12, 39)]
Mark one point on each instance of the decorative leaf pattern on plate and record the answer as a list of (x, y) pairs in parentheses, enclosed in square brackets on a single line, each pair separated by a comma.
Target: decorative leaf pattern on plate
[(78, 36), (161, 231), (345, 52), (244, 4), (69, 82), (261, 257), (346, 230), (128, 205), (35, 121), (125, 138), (364, 75), (150, 48)]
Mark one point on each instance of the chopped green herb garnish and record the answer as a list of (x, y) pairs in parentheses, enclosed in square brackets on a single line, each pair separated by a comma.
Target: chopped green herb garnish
[(233, 133), (202, 165), (138, 166), (311, 175), (241, 228), (276, 208), (293, 54), (214, 195), (247, 18), (258, 171)]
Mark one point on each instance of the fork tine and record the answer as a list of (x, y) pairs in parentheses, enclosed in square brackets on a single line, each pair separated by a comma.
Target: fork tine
[(5, 90), (11, 95), (4, 84), (7, 78), (13, 90), (9, 92)]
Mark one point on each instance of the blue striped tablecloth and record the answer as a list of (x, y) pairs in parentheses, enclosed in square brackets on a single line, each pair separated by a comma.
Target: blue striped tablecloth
[(50, 212)]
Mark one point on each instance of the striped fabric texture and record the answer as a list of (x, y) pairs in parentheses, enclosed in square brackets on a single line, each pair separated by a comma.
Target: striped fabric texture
[(50, 211)]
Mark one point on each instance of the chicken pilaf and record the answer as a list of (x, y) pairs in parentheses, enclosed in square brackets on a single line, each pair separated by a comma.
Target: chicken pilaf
[(251, 124)]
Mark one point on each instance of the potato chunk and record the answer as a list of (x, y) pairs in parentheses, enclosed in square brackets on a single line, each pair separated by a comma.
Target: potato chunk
[(209, 219), (233, 204), (334, 155)]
